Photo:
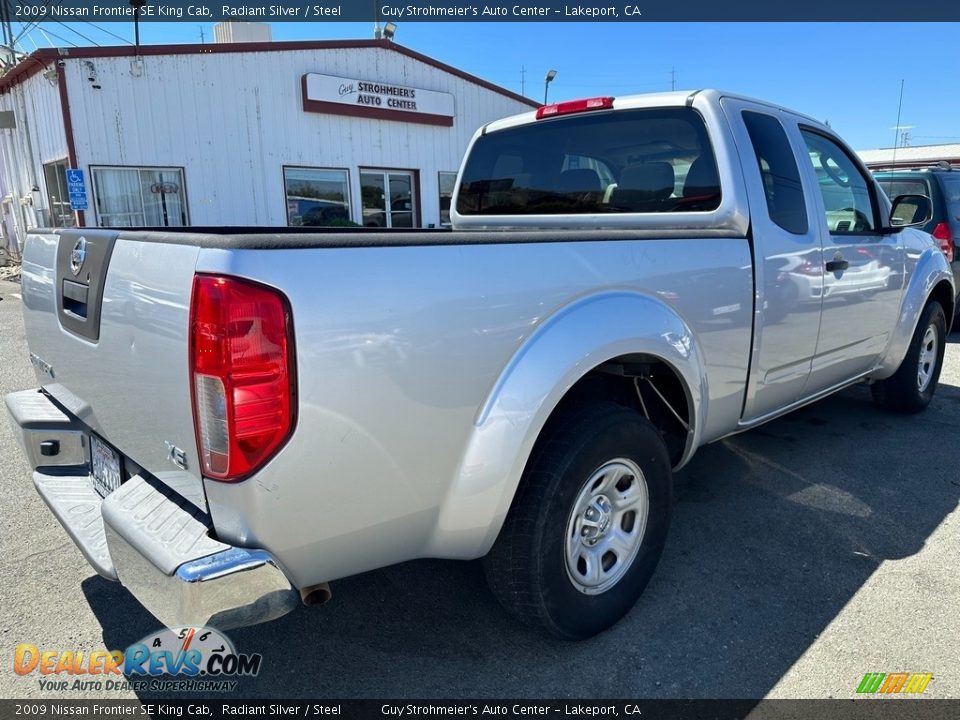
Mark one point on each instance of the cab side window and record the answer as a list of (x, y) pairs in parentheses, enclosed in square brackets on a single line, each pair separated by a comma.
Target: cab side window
[(778, 171), (846, 192)]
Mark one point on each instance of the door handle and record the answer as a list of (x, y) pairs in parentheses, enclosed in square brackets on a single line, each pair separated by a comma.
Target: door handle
[(837, 264)]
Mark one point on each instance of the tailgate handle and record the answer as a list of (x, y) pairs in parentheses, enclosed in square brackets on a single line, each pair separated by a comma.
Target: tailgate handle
[(837, 265), (75, 298)]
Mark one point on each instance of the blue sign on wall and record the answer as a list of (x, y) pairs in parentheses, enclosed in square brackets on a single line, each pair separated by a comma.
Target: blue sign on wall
[(76, 189)]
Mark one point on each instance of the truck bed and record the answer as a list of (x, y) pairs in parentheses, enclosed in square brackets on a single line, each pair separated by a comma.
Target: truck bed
[(400, 339)]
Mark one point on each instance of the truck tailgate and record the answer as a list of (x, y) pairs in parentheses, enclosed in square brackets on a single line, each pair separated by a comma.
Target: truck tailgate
[(107, 321)]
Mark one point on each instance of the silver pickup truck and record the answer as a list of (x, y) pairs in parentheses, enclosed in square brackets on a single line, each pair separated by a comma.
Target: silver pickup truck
[(228, 419)]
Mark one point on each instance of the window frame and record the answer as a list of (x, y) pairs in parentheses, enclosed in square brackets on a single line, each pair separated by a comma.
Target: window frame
[(62, 185), (415, 190), (799, 170), (453, 192), (868, 178), (92, 170), (347, 180), (704, 127)]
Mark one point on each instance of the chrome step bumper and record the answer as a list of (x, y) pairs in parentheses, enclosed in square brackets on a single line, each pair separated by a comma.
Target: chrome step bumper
[(158, 545)]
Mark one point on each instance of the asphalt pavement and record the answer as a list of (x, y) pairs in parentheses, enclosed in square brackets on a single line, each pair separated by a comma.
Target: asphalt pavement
[(803, 554)]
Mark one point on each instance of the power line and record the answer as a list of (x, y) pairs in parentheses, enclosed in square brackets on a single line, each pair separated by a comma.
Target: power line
[(112, 34), (50, 42), (77, 32)]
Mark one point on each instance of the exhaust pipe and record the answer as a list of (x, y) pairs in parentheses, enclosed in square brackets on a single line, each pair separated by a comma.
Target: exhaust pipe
[(316, 594)]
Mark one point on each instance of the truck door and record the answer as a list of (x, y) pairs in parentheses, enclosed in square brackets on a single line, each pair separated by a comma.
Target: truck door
[(863, 278), (788, 267)]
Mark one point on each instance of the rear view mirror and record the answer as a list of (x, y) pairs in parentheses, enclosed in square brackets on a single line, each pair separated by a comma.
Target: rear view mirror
[(910, 211)]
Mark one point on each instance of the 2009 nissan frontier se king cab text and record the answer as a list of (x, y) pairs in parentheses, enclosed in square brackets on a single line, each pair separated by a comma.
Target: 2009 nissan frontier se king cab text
[(228, 419)]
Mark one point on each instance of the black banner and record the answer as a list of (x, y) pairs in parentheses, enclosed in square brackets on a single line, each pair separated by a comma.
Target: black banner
[(892, 709), (472, 11)]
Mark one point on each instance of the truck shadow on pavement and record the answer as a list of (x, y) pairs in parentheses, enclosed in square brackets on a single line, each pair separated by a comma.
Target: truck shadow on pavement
[(774, 532)]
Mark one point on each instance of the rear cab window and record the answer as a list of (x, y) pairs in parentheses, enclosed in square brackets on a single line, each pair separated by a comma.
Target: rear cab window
[(778, 171), (624, 161)]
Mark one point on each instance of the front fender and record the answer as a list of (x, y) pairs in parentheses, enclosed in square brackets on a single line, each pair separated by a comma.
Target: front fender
[(930, 269), (573, 341)]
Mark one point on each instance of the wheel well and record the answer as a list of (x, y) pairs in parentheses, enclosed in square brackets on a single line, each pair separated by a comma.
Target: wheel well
[(640, 382), (943, 294)]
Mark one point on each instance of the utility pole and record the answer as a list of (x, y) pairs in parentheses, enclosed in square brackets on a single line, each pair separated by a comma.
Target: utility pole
[(673, 78), (8, 36), (523, 80), (203, 37)]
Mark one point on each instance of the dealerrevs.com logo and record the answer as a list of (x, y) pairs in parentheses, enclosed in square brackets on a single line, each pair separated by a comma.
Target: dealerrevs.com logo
[(189, 659), (894, 683)]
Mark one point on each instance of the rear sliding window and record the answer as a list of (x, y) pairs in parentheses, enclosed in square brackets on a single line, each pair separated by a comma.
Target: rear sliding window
[(627, 161)]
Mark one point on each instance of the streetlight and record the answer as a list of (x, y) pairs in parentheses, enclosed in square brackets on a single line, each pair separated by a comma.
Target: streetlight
[(551, 74)]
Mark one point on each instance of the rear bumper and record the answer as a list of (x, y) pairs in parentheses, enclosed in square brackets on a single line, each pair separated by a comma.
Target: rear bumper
[(160, 547)]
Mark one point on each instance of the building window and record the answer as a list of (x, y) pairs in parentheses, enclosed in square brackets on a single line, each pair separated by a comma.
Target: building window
[(139, 197), (58, 200), (317, 196), (389, 198), (447, 182)]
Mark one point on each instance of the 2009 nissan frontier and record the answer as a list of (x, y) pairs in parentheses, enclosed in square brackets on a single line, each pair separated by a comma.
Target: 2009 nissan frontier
[(230, 418)]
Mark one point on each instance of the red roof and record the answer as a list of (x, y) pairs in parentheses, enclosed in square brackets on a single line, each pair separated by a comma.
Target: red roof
[(40, 60)]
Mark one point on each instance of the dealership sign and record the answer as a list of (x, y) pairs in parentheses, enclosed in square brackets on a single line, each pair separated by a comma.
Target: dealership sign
[(376, 99)]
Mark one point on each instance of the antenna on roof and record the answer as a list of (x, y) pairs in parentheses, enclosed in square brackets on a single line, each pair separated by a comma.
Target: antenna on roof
[(896, 137)]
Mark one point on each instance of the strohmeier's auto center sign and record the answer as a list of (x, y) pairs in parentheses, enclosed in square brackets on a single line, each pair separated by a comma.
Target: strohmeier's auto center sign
[(375, 99)]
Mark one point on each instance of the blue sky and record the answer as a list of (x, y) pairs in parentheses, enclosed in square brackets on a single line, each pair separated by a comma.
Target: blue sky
[(846, 73)]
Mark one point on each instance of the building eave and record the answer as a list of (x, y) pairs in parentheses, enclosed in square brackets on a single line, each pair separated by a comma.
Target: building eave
[(41, 59)]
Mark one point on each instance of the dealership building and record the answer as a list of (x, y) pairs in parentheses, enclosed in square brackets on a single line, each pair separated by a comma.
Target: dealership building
[(308, 133)]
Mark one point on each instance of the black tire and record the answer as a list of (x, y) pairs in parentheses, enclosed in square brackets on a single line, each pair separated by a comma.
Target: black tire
[(902, 391), (527, 567)]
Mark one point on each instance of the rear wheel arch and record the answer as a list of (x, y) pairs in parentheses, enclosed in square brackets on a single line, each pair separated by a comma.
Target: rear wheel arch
[(943, 294), (645, 383), (569, 353)]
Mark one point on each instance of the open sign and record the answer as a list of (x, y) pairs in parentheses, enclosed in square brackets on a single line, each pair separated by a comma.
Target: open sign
[(165, 188)]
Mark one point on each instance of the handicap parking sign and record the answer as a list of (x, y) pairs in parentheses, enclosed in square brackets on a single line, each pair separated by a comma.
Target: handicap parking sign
[(76, 189)]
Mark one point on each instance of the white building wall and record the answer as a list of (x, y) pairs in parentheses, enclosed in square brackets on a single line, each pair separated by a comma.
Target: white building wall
[(233, 120), (38, 138)]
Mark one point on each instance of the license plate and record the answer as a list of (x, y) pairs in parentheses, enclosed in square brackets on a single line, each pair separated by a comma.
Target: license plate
[(106, 466)]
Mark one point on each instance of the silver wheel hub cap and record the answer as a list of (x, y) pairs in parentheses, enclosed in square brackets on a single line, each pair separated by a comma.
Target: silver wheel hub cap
[(606, 526), (928, 358)]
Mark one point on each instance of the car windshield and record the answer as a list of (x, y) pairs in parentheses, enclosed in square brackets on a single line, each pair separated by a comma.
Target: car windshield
[(626, 161)]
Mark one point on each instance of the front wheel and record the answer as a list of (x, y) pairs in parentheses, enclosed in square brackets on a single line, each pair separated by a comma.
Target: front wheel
[(911, 388), (588, 524)]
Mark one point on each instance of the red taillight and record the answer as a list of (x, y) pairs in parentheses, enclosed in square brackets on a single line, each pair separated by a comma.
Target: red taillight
[(942, 233), (574, 106), (241, 363)]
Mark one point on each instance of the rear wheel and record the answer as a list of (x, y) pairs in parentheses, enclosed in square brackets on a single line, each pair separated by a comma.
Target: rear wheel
[(911, 388), (588, 524)]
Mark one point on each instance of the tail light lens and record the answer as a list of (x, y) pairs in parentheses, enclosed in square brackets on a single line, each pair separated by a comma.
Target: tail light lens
[(242, 370), (942, 233), (574, 106)]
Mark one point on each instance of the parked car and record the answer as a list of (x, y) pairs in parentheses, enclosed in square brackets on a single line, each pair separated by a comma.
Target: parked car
[(226, 421), (942, 186)]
